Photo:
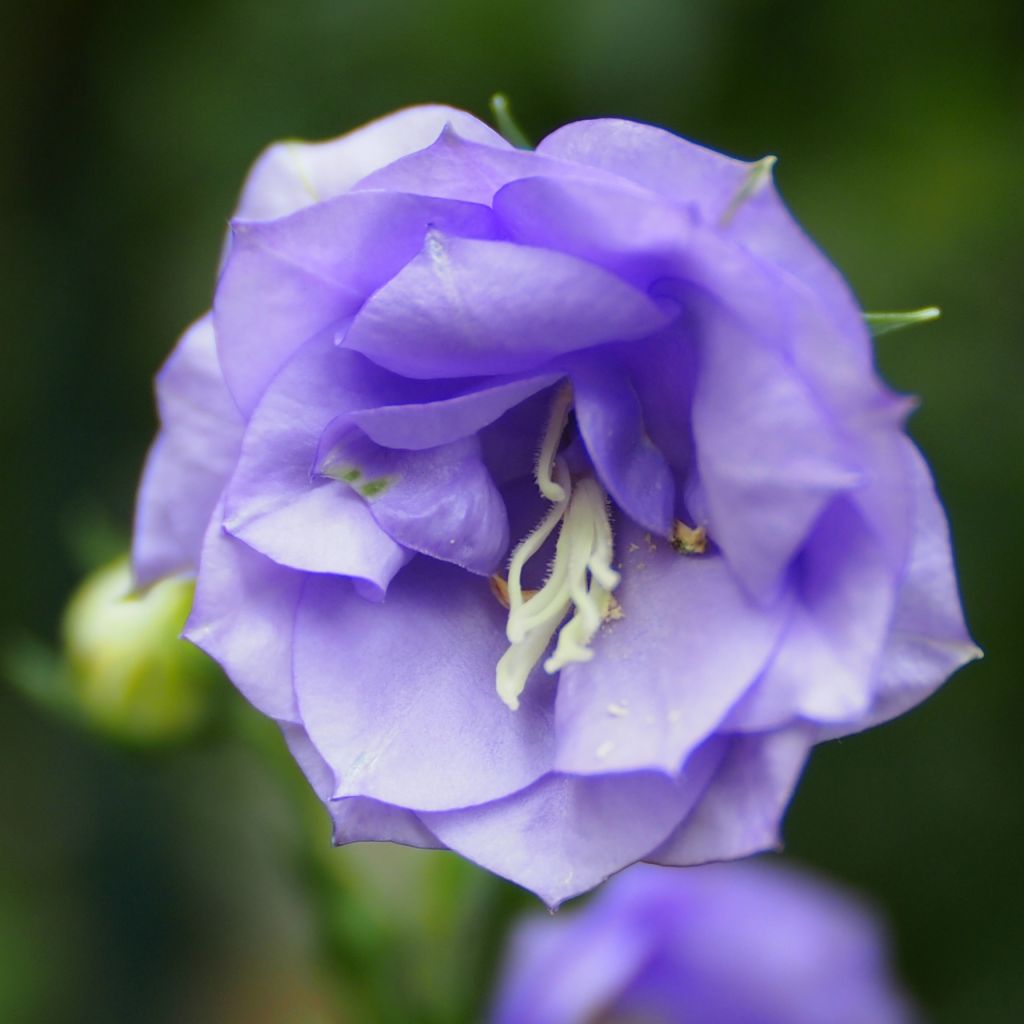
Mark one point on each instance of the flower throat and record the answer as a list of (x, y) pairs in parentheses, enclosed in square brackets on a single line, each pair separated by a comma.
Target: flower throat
[(580, 577)]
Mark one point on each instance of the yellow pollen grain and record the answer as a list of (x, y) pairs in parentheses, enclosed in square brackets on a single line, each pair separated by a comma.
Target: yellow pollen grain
[(617, 710)]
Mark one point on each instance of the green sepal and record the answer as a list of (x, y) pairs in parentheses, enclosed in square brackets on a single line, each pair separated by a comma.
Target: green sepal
[(883, 323), (501, 111)]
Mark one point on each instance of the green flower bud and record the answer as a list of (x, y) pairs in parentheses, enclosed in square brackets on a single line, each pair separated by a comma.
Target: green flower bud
[(131, 675)]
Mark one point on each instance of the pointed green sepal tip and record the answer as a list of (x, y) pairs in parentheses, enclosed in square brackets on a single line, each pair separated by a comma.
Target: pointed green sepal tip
[(758, 176), (883, 323), (501, 111)]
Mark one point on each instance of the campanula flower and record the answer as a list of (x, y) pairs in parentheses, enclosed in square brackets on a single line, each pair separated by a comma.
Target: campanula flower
[(748, 943), (549, 500)]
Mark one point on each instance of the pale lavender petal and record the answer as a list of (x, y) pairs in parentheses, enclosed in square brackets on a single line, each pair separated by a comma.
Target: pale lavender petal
[(384, 687), (611, 421), (190, 460), (453, 310), (644, 700), (567, 833), (770, 459), (286, 280), (275, 504), (290, 175), (740, 811), (440, 501), (243, 616)]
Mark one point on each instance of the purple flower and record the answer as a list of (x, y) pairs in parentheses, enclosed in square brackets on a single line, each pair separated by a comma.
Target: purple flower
[(725, 944), (551, 502)]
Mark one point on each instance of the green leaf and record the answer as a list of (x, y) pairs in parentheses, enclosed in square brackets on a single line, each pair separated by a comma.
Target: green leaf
[(501, 110), (883, 323)]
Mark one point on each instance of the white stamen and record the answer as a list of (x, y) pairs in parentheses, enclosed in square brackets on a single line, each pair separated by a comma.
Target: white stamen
[(557, 420), (581, 574)]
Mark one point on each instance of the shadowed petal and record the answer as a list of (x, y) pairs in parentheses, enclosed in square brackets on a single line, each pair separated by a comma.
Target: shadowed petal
[(824, 670), (464, 307), (769, 457), (399, 697), (628, 463), (190, 460), (418, 425)]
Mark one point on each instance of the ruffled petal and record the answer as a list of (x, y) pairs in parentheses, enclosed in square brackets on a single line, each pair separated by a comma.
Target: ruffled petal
[(419, 425), (243, 617), (740, 811), (439, 501), (824, 668), (611, 421), (769, 457), (566, 834), (464, 307), (275, 504), (400, 699), (928, 638), (286, 280), (711, 182), (664, 675), (358, 819), (190, 460), (631, 232), (654, 158), (290, 175), (456, 167)]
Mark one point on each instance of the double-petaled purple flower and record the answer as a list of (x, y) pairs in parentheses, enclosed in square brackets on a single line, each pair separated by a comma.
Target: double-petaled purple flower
[(724, 944), (551, 501)]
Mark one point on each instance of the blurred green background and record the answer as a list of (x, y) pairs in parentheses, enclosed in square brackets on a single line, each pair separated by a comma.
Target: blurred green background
[(182, 883)]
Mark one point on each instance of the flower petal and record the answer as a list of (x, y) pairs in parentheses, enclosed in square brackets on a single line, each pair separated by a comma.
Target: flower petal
[(464, 307), (928, 638), (243, 616), (438, 501), (628, 463), (824, 669), (688, 645), (358, 819), (419, 425), (693, 175), (190, 460), (290, 175), (769, 457), (740, 811), (457, 167), (273, 502), (568, 833), (286, 280), (400, 699), (629, 231)]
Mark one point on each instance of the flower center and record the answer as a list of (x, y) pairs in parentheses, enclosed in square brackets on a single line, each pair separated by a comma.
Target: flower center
[(581, 576)]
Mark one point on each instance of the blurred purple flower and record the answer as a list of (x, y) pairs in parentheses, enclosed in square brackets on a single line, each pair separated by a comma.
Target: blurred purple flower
[(437, 365), (725, 944)]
